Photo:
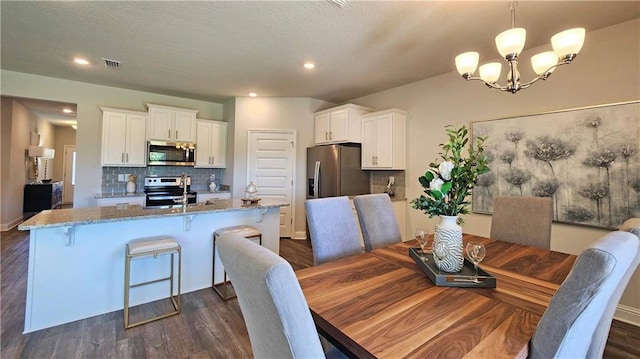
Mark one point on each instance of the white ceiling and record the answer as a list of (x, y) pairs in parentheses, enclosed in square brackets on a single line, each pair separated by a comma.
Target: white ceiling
[(213, 51)]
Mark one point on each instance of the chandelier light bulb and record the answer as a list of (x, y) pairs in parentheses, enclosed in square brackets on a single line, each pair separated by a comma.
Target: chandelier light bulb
[(490, 72), (568, 42), (511, 41), (542, 63), (467, 62)]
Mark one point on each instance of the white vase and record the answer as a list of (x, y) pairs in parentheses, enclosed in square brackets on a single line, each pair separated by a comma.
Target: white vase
[(447, 245), (131, 187)]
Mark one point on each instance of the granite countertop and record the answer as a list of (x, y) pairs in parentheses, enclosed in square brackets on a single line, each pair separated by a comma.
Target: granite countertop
[(93, 215)]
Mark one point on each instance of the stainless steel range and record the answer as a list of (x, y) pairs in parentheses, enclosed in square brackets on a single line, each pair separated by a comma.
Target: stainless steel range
[(166, 191)]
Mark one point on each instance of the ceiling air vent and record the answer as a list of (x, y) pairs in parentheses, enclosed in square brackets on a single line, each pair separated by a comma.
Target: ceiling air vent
[(112, 64)]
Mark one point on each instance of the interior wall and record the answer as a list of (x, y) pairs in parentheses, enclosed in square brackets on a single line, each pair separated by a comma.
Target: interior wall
[(275, 113), (6, 110), (89, 98), (64, 135), (592, 79), (17, 124)]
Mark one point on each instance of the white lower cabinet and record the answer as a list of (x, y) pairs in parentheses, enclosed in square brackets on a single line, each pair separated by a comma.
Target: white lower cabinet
[(121, 201)]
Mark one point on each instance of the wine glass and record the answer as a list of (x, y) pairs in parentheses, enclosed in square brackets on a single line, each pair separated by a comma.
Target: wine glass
[(476, 253), (422, 238)]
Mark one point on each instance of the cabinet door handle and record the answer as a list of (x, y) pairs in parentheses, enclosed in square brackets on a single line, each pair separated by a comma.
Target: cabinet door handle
[(168, 133), (213, 159), (326, 136), (122, 157), (176, 134), (127, 157), (330, 135)]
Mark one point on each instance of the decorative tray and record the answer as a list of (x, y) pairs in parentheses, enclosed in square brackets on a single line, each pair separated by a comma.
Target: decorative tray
[(464, 278)]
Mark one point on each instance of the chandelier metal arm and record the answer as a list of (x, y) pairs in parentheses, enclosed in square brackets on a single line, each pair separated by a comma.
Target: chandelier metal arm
[(513, 88)]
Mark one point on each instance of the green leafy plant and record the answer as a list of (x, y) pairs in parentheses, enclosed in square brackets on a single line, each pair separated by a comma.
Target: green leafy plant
[(448, 183)]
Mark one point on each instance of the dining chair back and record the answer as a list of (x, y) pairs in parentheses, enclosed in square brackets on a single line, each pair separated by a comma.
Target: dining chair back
[(333, 229), (523, 220), (576, 324), (272, 303), (378, 221)]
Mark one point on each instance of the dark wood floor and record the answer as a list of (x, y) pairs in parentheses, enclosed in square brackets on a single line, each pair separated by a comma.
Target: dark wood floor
[(206, 328)]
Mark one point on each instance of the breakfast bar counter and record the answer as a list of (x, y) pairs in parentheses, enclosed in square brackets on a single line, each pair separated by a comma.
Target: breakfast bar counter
[(76, 256)]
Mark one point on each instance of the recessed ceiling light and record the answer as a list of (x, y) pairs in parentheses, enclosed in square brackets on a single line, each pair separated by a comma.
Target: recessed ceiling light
[(253, 94), (309, 65), (80, 61), (66, 110)]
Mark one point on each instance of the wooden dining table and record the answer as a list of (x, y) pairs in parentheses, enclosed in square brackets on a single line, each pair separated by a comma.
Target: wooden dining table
[(382, 305)]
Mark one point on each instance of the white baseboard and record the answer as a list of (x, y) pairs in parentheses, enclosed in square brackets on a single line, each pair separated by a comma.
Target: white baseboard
[(299, 235), (7, 226), (627, 314)]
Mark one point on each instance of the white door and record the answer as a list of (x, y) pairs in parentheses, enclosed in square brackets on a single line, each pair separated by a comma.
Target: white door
[(271, 165), (69, 173)]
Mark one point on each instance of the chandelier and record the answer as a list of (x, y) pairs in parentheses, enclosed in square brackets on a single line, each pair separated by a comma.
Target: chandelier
[(566, 45)]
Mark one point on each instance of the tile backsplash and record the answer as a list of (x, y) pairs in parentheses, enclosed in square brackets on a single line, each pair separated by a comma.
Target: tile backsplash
[(379, 180), (199, 176)]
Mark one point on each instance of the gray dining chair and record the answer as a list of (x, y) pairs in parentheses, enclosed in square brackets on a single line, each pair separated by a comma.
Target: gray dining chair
[(272, 303), (333, 229), (523, 220), (576, 324), (378, 221)]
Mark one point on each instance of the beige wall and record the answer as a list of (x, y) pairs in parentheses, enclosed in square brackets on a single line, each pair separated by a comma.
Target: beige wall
[(275, 113), (89, 98), (592, 79)]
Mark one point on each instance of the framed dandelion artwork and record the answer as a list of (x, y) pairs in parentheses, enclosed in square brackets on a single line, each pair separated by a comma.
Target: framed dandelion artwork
[(586, 159)]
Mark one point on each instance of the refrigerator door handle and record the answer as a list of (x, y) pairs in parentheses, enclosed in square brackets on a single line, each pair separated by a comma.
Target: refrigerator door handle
[(316, 178)]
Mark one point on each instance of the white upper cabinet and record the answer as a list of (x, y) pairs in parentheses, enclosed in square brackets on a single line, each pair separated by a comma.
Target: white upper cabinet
[(123, 138), (384, 136), (171, 124), (211, 144), (339, 124)]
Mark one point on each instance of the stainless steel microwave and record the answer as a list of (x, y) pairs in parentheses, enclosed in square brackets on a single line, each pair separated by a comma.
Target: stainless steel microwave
[(161, 153)]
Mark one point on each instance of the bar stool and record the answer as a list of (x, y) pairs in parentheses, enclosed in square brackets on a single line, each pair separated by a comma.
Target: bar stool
[(147, 247), (244, 231)]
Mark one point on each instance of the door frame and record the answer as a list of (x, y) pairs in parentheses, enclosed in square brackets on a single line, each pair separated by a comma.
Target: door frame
[(65, 187), (293, 132)]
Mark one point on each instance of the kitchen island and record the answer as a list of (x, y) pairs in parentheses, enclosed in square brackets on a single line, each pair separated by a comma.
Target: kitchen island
[(76, 256)]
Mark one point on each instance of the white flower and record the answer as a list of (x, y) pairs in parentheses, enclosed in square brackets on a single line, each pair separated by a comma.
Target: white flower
[(445, 170), (436, 184)]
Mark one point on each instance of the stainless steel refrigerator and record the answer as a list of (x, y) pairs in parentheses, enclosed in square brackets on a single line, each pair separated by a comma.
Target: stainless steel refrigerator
[(334, 170)]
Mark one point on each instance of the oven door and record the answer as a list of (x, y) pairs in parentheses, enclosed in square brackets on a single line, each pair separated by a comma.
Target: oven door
[(170, 154), (159, 200)]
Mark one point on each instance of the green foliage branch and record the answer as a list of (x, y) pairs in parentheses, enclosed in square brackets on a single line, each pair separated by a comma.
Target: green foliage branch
[(448, 184)]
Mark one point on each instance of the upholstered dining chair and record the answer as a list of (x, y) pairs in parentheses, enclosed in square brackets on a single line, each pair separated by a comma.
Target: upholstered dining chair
[(333, 229), (272, 303), (378, 221), (523, 220), (576, 324)]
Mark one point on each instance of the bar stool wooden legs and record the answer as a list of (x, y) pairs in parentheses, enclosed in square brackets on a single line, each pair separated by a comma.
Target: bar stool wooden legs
[(154, 247), (246, 231)]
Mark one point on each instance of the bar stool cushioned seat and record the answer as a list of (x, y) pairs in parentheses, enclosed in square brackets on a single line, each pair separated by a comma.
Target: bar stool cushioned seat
[(244, 231), (147, 247)]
